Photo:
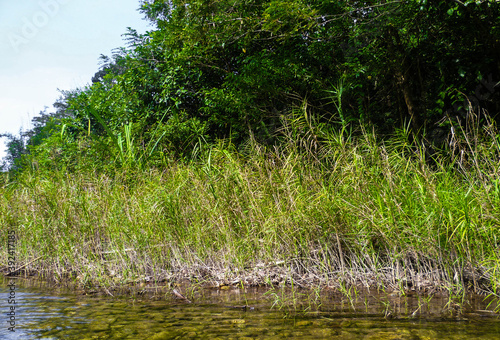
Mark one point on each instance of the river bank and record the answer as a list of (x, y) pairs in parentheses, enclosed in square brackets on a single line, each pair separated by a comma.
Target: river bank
[(357, 213)]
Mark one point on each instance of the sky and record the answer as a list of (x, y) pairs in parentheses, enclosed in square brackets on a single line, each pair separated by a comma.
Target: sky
[(46, 45)]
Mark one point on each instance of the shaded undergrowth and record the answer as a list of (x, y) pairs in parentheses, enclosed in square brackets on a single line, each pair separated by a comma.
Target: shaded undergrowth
[(331, 210)]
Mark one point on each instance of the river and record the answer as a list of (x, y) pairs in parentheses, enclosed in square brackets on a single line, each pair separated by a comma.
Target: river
[(43, 312)]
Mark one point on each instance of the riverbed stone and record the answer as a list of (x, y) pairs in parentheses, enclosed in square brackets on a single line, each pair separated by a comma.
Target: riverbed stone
[(238, 321), (323, 332), (400, 334), (99, 326), (346, 323), (157, 316), (119, 335)]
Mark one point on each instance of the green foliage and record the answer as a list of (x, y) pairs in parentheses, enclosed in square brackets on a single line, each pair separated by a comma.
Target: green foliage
[(214, 70)]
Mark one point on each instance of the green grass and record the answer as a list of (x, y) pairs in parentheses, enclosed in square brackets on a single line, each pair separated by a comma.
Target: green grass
[(331, 210)]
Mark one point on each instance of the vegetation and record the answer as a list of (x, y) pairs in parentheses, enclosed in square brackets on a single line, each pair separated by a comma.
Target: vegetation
[(330, 143)]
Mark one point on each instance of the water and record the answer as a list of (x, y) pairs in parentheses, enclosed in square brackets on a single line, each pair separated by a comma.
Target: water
[(44, 313)]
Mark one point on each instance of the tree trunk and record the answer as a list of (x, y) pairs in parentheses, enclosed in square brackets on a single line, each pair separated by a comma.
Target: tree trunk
[(401, 69)]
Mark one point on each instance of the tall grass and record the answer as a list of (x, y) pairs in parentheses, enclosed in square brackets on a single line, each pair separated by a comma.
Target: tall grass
[(324, 208)]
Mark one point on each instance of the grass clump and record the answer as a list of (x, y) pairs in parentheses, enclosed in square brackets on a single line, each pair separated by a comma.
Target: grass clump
[(333, 210)]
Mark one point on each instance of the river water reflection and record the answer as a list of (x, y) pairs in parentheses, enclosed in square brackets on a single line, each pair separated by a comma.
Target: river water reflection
[(43, 313)]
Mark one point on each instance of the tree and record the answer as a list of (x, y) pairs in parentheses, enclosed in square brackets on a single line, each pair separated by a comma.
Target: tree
[(15, 149), (237, 69), (417, 54)]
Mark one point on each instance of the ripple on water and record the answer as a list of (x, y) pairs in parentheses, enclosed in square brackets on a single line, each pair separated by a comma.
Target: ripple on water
[(66, 316)]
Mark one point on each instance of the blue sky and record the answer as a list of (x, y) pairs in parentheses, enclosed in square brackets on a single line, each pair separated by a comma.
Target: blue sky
[(47, 45)]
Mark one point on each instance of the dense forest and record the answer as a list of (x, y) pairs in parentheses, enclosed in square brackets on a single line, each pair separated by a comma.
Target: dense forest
[(318, 142), (213, 70)]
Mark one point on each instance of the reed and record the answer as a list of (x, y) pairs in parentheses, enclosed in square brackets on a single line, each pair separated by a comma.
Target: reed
[(332, 210)]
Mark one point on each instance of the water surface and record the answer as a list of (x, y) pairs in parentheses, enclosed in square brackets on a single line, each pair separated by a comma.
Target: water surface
[(45, 313)]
